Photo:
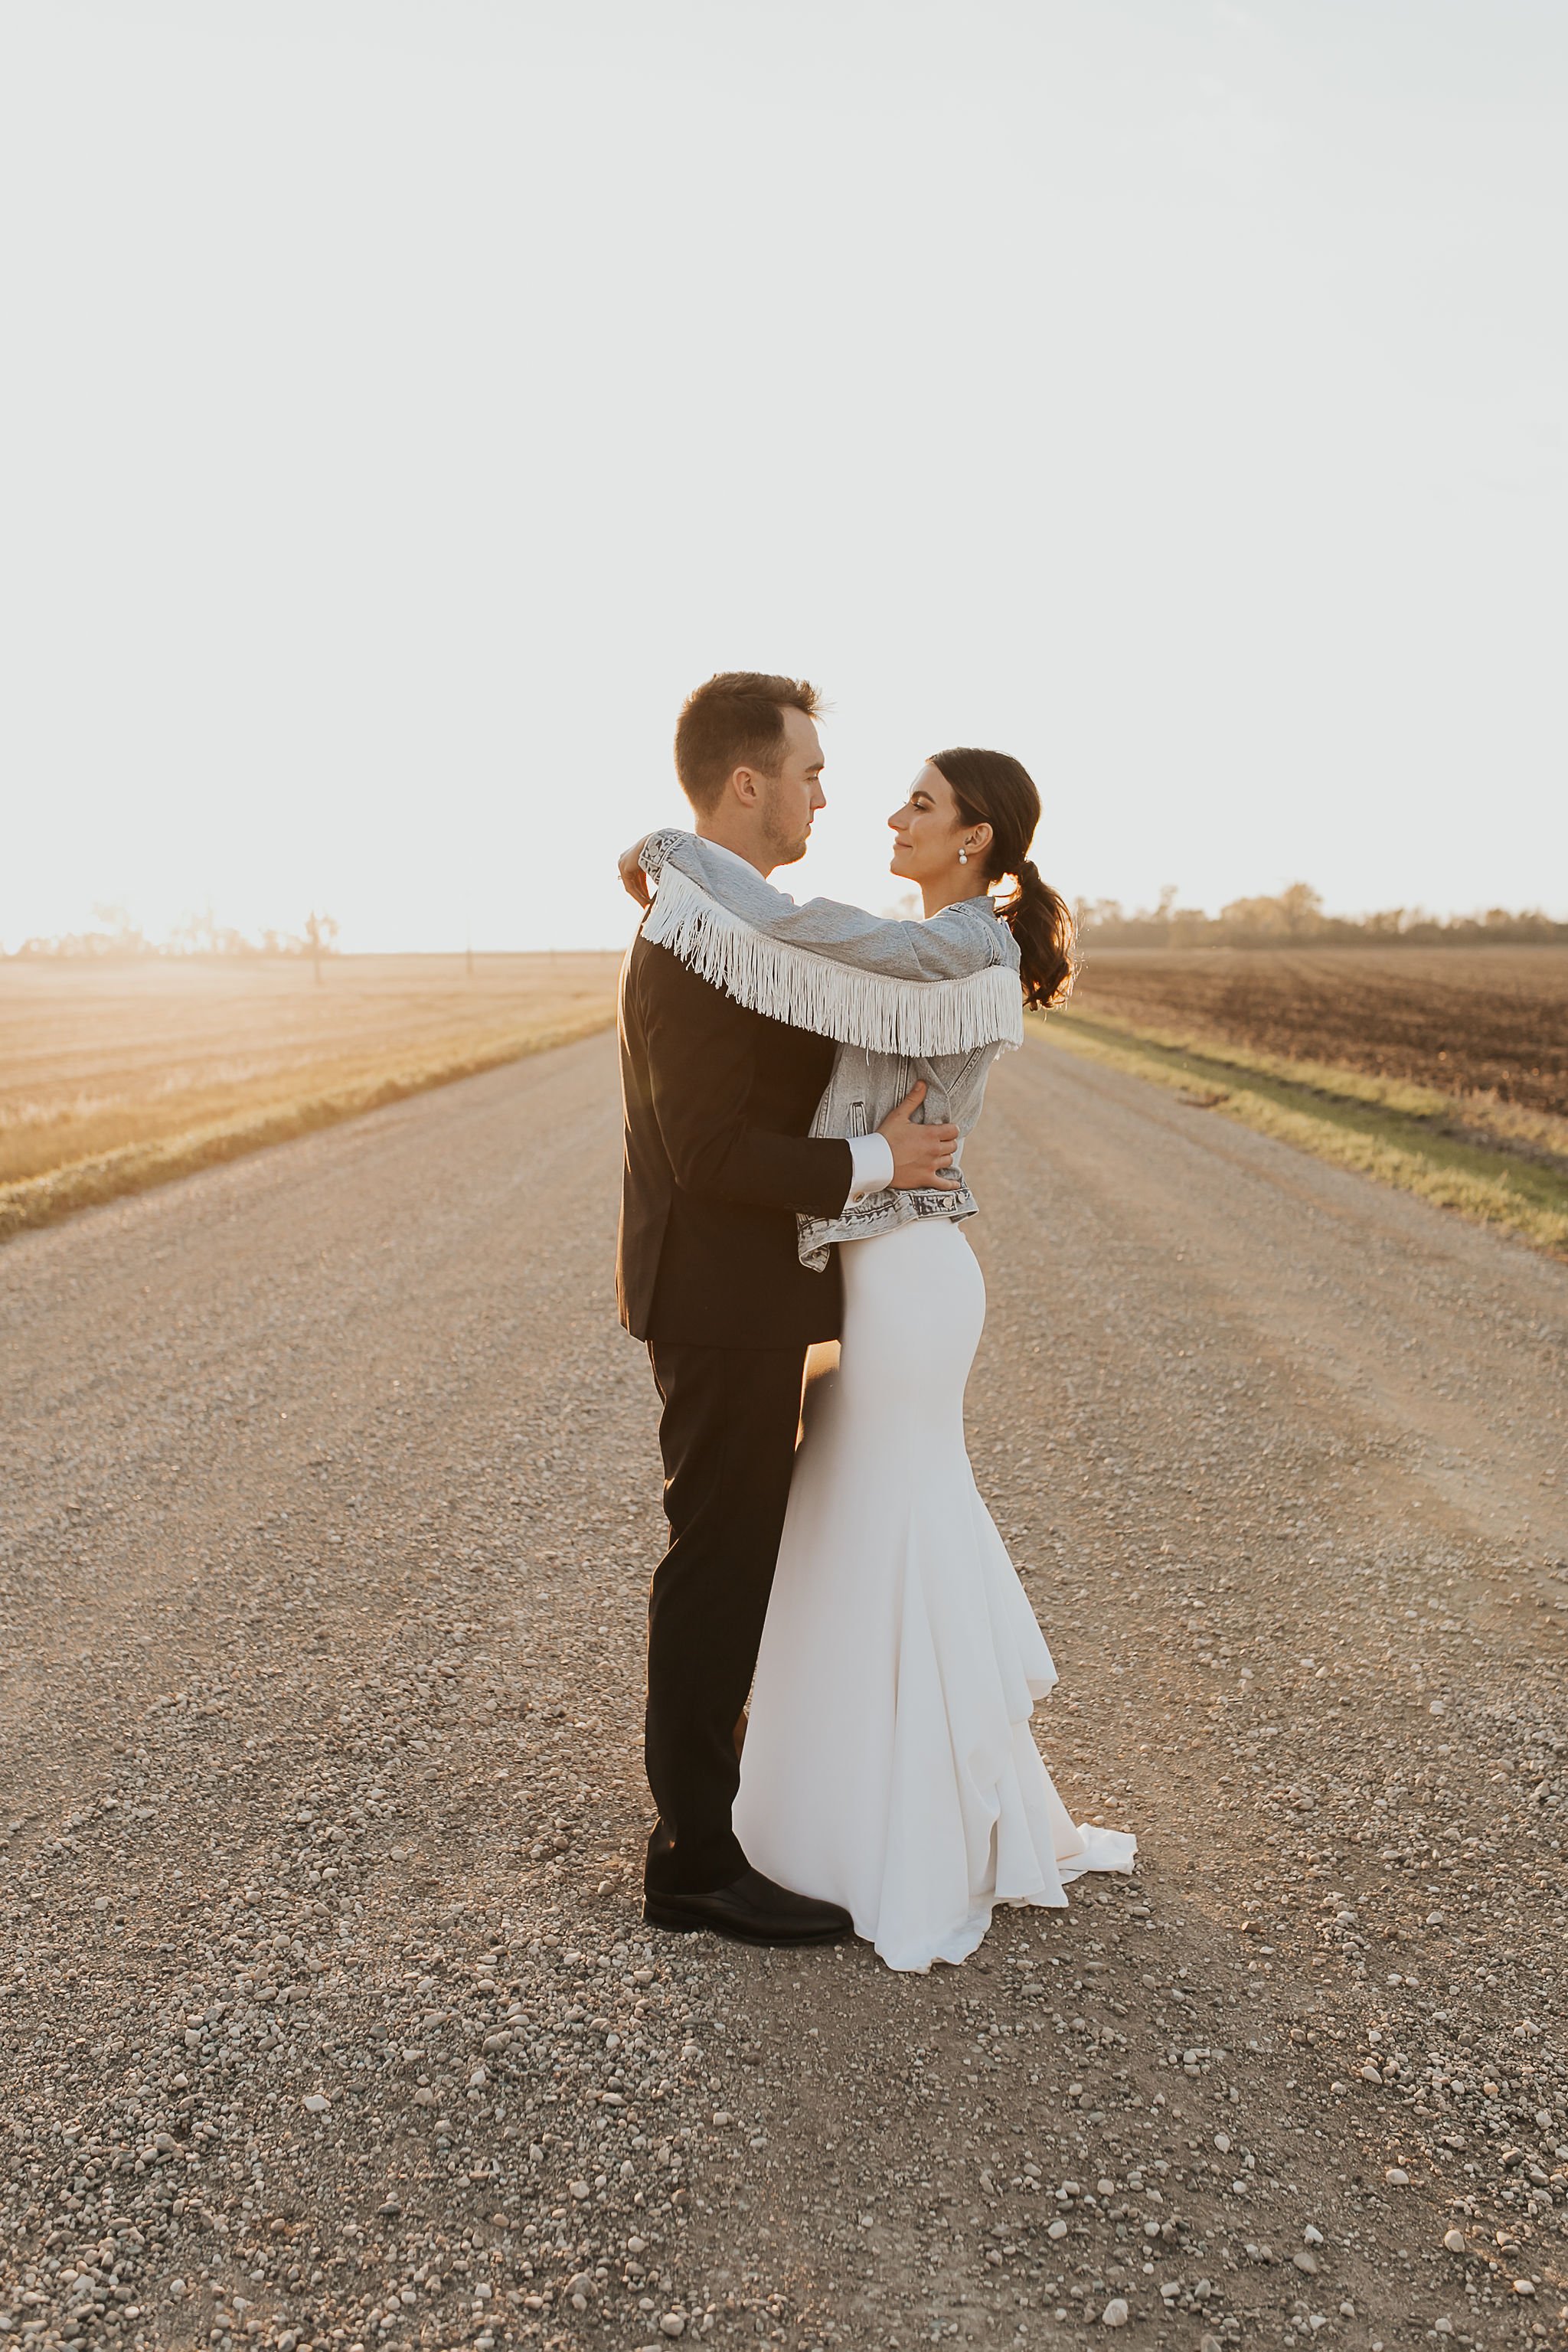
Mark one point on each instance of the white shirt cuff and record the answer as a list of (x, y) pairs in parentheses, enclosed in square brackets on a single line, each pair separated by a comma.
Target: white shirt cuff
[(871, 1166)]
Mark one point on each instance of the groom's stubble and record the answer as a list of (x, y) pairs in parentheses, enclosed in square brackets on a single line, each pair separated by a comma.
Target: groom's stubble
[(788, 831), (767, 818)]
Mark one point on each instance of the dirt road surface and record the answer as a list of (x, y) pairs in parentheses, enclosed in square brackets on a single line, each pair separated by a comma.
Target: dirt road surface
[(328, 2014)]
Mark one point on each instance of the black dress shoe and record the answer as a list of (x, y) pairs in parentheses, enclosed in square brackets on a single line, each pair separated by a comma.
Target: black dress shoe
[(751, 1910)]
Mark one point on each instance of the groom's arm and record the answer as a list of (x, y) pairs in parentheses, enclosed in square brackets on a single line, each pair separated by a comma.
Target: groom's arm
[(699, 1074)]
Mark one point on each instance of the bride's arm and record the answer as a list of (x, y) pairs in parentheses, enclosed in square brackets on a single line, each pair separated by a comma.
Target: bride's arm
[(941, 949)]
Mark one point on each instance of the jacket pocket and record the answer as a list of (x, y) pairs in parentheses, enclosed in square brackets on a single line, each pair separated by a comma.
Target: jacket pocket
[(857, 1118)]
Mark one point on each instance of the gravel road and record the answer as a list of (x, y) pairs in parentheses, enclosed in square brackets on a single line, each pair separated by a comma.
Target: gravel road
[(328, 2015)]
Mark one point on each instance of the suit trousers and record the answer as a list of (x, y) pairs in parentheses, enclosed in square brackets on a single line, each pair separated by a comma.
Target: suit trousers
[(728, 1435)]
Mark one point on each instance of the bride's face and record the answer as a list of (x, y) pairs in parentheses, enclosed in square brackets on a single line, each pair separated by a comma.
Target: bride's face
[(929, 833)]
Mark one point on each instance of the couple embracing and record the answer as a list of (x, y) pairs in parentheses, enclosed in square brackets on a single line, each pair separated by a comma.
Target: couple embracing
[(798, 1083)]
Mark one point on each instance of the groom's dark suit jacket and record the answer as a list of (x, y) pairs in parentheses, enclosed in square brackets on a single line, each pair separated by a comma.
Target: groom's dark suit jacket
[(718, 1101)]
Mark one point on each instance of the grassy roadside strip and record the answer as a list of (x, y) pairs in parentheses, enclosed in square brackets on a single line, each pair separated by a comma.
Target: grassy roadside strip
[(84, 1184), (1380, 1128)]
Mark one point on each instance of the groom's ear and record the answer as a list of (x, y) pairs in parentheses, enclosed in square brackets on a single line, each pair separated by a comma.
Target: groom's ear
[(745, 785)]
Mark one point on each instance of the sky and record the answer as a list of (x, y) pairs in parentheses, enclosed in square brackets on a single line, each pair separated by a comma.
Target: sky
[(407, 402)]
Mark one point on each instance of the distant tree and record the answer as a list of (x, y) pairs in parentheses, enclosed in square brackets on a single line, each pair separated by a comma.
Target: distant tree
[(321, 932), (1294, 914), (123, 933), (1097, 914)]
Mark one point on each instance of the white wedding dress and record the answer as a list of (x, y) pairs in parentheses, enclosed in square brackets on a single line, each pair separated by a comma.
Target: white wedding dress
[(888, 1763)]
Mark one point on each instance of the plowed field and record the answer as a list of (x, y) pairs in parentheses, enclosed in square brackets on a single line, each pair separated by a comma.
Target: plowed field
[(1469, 1021)]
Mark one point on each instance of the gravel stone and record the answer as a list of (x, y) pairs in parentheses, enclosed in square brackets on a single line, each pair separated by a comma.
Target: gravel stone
[(333, 1494)]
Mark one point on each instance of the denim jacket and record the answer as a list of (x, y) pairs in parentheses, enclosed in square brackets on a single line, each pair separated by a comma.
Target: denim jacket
[(906, 1001)]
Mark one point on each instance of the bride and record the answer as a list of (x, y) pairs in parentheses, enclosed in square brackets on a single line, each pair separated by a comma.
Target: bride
[(889, 1764)]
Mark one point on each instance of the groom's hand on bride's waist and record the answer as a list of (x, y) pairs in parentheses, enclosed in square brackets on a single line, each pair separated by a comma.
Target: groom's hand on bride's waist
[(920, 1151)]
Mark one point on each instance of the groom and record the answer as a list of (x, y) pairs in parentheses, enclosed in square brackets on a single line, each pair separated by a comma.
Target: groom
[(718, 1101)]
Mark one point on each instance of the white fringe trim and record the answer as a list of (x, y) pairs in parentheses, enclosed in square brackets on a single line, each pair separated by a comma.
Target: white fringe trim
[(811, 990)]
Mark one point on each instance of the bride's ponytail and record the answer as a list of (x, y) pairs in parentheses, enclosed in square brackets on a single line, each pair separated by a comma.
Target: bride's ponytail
[(991, 788), (1041, 921)]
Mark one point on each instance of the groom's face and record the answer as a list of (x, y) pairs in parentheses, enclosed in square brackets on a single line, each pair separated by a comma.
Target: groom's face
[(791, 798)]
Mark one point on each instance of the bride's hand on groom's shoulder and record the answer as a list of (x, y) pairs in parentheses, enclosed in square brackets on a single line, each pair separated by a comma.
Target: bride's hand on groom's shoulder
[(634, 881)]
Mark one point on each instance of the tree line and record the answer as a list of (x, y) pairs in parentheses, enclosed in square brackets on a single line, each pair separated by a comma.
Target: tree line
[(1296, 917), (199, 934)]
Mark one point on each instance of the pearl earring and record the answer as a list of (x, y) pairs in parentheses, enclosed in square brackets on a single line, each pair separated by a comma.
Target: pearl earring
[(963, 856)]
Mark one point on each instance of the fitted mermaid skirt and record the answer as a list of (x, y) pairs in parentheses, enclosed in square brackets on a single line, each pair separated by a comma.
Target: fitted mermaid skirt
[(890, 1763)]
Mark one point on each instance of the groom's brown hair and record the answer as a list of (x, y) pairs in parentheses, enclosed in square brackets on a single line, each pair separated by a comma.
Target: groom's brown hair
[(736, 720)]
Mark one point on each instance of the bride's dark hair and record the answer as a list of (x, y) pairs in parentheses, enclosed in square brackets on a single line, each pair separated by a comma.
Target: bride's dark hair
[(991, 788)]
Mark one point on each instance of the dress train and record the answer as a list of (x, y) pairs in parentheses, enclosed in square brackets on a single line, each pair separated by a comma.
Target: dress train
[(888, 1762)]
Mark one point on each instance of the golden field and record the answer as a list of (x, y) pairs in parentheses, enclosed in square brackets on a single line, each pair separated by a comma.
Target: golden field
[(118, 1074)]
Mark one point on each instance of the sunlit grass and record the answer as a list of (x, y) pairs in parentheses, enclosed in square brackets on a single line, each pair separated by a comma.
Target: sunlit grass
[(1496, 1163)]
